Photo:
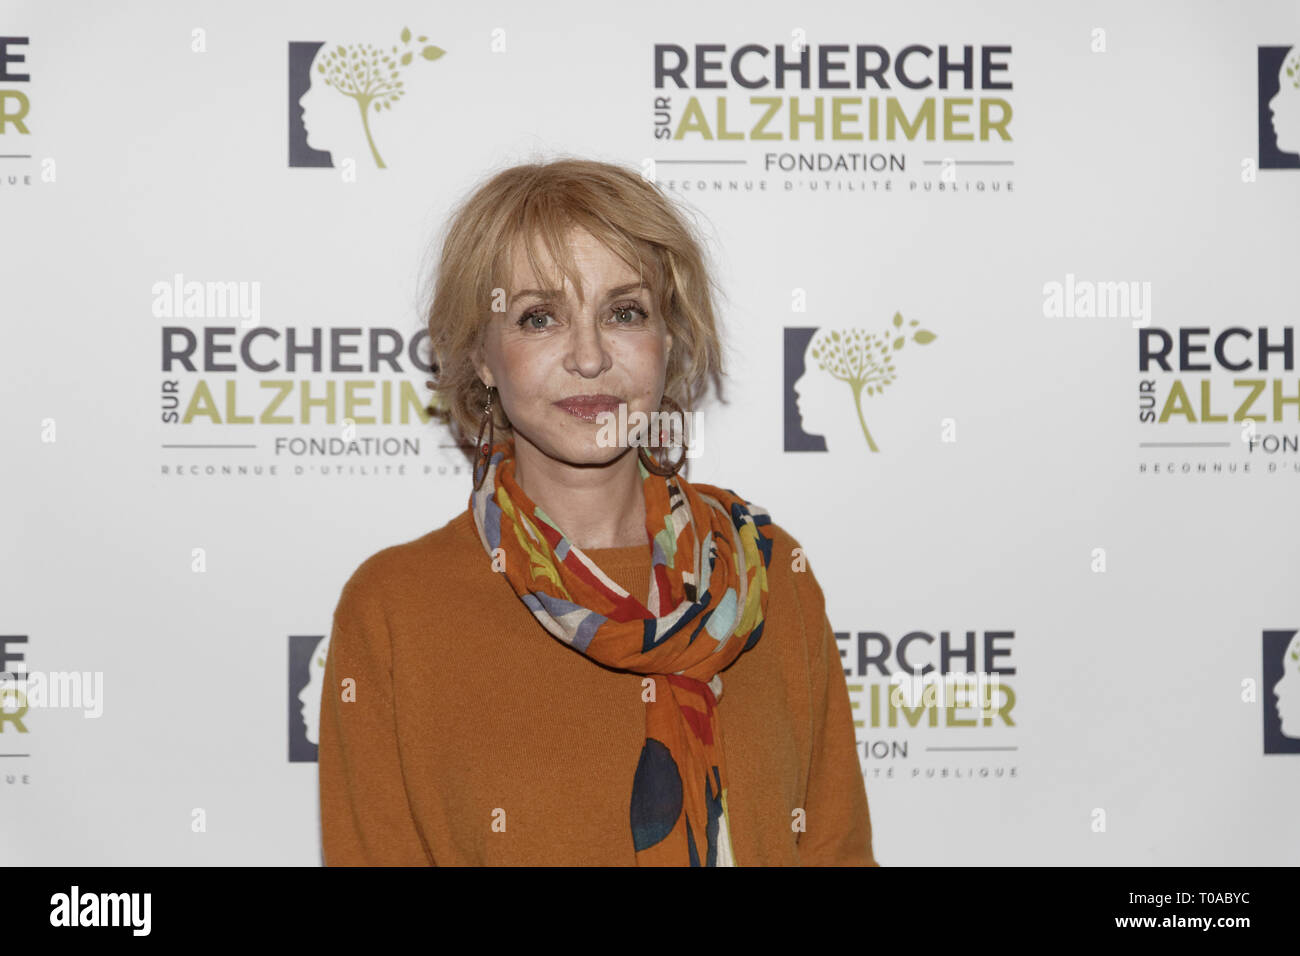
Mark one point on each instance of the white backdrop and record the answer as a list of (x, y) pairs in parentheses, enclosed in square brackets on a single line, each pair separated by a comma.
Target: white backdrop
[(191, 567)]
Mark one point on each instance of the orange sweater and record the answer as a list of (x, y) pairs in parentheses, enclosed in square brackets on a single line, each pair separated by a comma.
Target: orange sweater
[(475, 737)]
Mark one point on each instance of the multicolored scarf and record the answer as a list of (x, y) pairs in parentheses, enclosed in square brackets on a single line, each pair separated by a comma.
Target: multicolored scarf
[(707, 603)]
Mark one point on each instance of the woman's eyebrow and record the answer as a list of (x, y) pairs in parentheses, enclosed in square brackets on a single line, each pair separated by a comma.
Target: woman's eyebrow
[(556, 293)]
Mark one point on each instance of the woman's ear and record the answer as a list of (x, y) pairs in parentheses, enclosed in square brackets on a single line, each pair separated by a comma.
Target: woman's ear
[(484, 373)]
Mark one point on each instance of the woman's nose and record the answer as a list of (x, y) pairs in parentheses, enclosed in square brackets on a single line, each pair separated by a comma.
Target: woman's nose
[(587, 346)]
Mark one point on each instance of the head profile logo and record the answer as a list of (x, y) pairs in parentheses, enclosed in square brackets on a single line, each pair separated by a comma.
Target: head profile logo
[(338, 93), (831, 373), (307, 654), (1282, 692), (1279, 107)]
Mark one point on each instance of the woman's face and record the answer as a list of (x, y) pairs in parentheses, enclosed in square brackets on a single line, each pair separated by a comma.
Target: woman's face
[(548, 347)]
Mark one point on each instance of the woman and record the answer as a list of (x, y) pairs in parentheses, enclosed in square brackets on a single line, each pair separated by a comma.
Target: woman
[(597, 661)]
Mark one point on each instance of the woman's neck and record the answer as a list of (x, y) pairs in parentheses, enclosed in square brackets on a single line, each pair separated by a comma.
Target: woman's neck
[(596, 506)]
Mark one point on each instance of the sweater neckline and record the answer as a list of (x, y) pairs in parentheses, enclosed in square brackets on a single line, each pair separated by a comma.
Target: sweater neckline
[(630, 556)]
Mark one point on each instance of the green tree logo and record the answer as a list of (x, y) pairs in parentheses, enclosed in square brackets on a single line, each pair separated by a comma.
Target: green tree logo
[(370, 76), (865, 360)]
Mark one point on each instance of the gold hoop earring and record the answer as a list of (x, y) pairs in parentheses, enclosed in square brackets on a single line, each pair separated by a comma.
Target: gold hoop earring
[(483, 453), (651, 464)]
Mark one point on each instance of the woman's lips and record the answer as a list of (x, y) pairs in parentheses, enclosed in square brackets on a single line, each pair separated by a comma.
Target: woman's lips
[(588, 407)]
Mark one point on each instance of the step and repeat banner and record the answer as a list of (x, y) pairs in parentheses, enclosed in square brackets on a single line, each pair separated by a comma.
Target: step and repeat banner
[(1009, 298)]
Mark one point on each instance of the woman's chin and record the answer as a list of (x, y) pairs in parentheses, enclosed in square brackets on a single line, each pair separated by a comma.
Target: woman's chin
[(583, 452), (574, 442)]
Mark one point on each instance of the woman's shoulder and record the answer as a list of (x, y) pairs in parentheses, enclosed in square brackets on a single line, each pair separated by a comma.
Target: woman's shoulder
[(790, 577), (791, 566), (782, 540), (788, 558), (422, 566), (796, 615)]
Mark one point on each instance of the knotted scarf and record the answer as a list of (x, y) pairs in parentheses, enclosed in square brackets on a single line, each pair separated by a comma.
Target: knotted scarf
[(706, 606)]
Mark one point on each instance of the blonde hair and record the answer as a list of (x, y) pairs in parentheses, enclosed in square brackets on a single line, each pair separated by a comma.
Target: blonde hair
[(633, 218)]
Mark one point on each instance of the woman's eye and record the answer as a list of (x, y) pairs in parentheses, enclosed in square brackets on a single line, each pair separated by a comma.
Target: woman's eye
[(529, 317), (633, 313)]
